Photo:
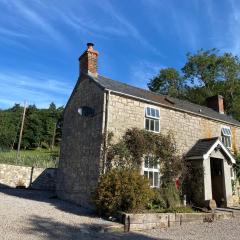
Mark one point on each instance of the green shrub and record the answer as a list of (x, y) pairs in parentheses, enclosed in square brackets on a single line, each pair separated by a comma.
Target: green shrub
[(122, 190), (165, 198), (157, 202), (171, 196)]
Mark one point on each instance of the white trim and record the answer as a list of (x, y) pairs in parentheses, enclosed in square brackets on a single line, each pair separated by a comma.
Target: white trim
[(153, 170), (218, 142), (195, 158), (223, 134), (153, 118)]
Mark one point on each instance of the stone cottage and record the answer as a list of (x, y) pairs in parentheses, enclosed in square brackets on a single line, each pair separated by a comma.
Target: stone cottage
[(97, 105)]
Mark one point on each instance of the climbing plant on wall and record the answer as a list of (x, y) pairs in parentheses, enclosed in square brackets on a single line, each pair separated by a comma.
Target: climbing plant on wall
[(136, 143)]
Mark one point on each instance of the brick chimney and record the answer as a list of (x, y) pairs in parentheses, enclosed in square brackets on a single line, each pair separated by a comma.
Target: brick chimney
[(88, 61), (216, 103)]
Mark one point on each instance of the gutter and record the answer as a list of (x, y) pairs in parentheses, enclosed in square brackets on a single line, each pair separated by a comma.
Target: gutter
[(174, 108)]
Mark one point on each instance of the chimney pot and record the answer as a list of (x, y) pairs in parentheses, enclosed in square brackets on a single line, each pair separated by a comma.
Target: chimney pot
[(90, 46)]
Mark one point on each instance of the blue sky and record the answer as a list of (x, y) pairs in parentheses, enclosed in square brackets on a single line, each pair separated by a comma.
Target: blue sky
[(40, 41)]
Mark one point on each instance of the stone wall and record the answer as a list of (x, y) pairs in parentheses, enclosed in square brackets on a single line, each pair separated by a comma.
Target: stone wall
[(126, 112), (79, 163), (146, 221), (21, 176)]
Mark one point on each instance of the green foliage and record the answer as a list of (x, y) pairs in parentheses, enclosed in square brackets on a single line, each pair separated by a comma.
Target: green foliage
[(165, 198), (237, 167), (122, 190), (167, 82), (38, 128), (37, 158), (157, 202), (193, 182), (136, 143), (171, 196), (205, 73)]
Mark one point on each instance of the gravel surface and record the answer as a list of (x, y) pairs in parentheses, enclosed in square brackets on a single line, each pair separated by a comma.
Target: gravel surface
[(34, 215)]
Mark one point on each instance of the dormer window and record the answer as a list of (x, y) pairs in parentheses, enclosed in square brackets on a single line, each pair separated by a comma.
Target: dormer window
[(227, 137), (152, 116)]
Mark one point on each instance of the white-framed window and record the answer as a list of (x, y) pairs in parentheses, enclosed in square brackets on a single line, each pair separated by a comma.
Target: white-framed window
[(152, 116), (227, 136), (151, 171)]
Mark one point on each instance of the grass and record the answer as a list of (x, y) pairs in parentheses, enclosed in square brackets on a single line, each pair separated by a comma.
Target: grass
[(37, 158), (182, 209)]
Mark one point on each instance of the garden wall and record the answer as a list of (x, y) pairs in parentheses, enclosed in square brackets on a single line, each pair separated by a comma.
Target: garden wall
[(21, 176), (164, 220)]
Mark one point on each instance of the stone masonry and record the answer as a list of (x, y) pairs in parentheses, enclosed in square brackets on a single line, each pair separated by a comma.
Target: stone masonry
[(23, 176), (126, 112), (79, 166)]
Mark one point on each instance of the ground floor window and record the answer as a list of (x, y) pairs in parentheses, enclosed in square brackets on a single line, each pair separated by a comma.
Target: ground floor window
[(151, 171)]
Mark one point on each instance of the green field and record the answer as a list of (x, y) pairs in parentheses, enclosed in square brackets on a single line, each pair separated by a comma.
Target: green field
[(37, 158)]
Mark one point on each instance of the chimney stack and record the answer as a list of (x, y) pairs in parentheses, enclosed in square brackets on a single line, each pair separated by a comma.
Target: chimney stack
[(216, 103), (88, 61)]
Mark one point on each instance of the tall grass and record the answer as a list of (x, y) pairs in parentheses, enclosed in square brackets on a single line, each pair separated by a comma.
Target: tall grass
[(34, 158)]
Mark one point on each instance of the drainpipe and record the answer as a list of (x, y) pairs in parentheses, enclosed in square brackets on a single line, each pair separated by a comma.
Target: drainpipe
[(108, 92)]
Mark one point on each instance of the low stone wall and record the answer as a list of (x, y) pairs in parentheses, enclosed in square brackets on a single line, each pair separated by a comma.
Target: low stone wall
[(136, 222), (22, 176)]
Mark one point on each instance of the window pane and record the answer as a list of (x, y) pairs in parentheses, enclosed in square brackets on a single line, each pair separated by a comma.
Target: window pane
[(156, 179), (151, 178), (147, 123), (157, 125), (152, 125), (145, 174), (157, 113), (229, 132), (153, 112), (148, 111)]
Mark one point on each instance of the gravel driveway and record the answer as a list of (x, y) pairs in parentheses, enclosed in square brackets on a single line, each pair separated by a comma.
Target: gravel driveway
[(34, 215)]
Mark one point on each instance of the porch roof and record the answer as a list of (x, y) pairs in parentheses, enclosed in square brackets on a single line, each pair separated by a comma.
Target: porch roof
[(204, 147)]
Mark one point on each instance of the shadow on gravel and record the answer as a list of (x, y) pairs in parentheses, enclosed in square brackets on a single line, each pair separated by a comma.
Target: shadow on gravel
[(47, 228), (47, 197)]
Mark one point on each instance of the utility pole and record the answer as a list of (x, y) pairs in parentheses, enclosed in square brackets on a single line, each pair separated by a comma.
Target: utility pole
[(21, 131)]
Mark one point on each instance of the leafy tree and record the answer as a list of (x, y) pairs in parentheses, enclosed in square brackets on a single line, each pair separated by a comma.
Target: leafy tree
[(38, 129), (205, 73), (167, 82)]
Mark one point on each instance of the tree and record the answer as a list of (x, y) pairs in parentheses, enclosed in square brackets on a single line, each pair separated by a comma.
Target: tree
[(167, 82), (39, 127), (205, 74)]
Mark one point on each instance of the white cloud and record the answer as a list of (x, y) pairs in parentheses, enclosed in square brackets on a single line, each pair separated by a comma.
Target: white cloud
[(35, 89)]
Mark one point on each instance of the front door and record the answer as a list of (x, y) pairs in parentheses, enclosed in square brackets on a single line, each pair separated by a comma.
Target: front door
[(217, 177)]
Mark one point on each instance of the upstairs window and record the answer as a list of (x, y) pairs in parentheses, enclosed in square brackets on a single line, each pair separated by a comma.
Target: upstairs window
[(151, 171), (152, 116), (227, 137)]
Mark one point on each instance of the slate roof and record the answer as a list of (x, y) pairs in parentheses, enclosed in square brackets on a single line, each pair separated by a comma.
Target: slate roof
[(201, 147), (124, 88)]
